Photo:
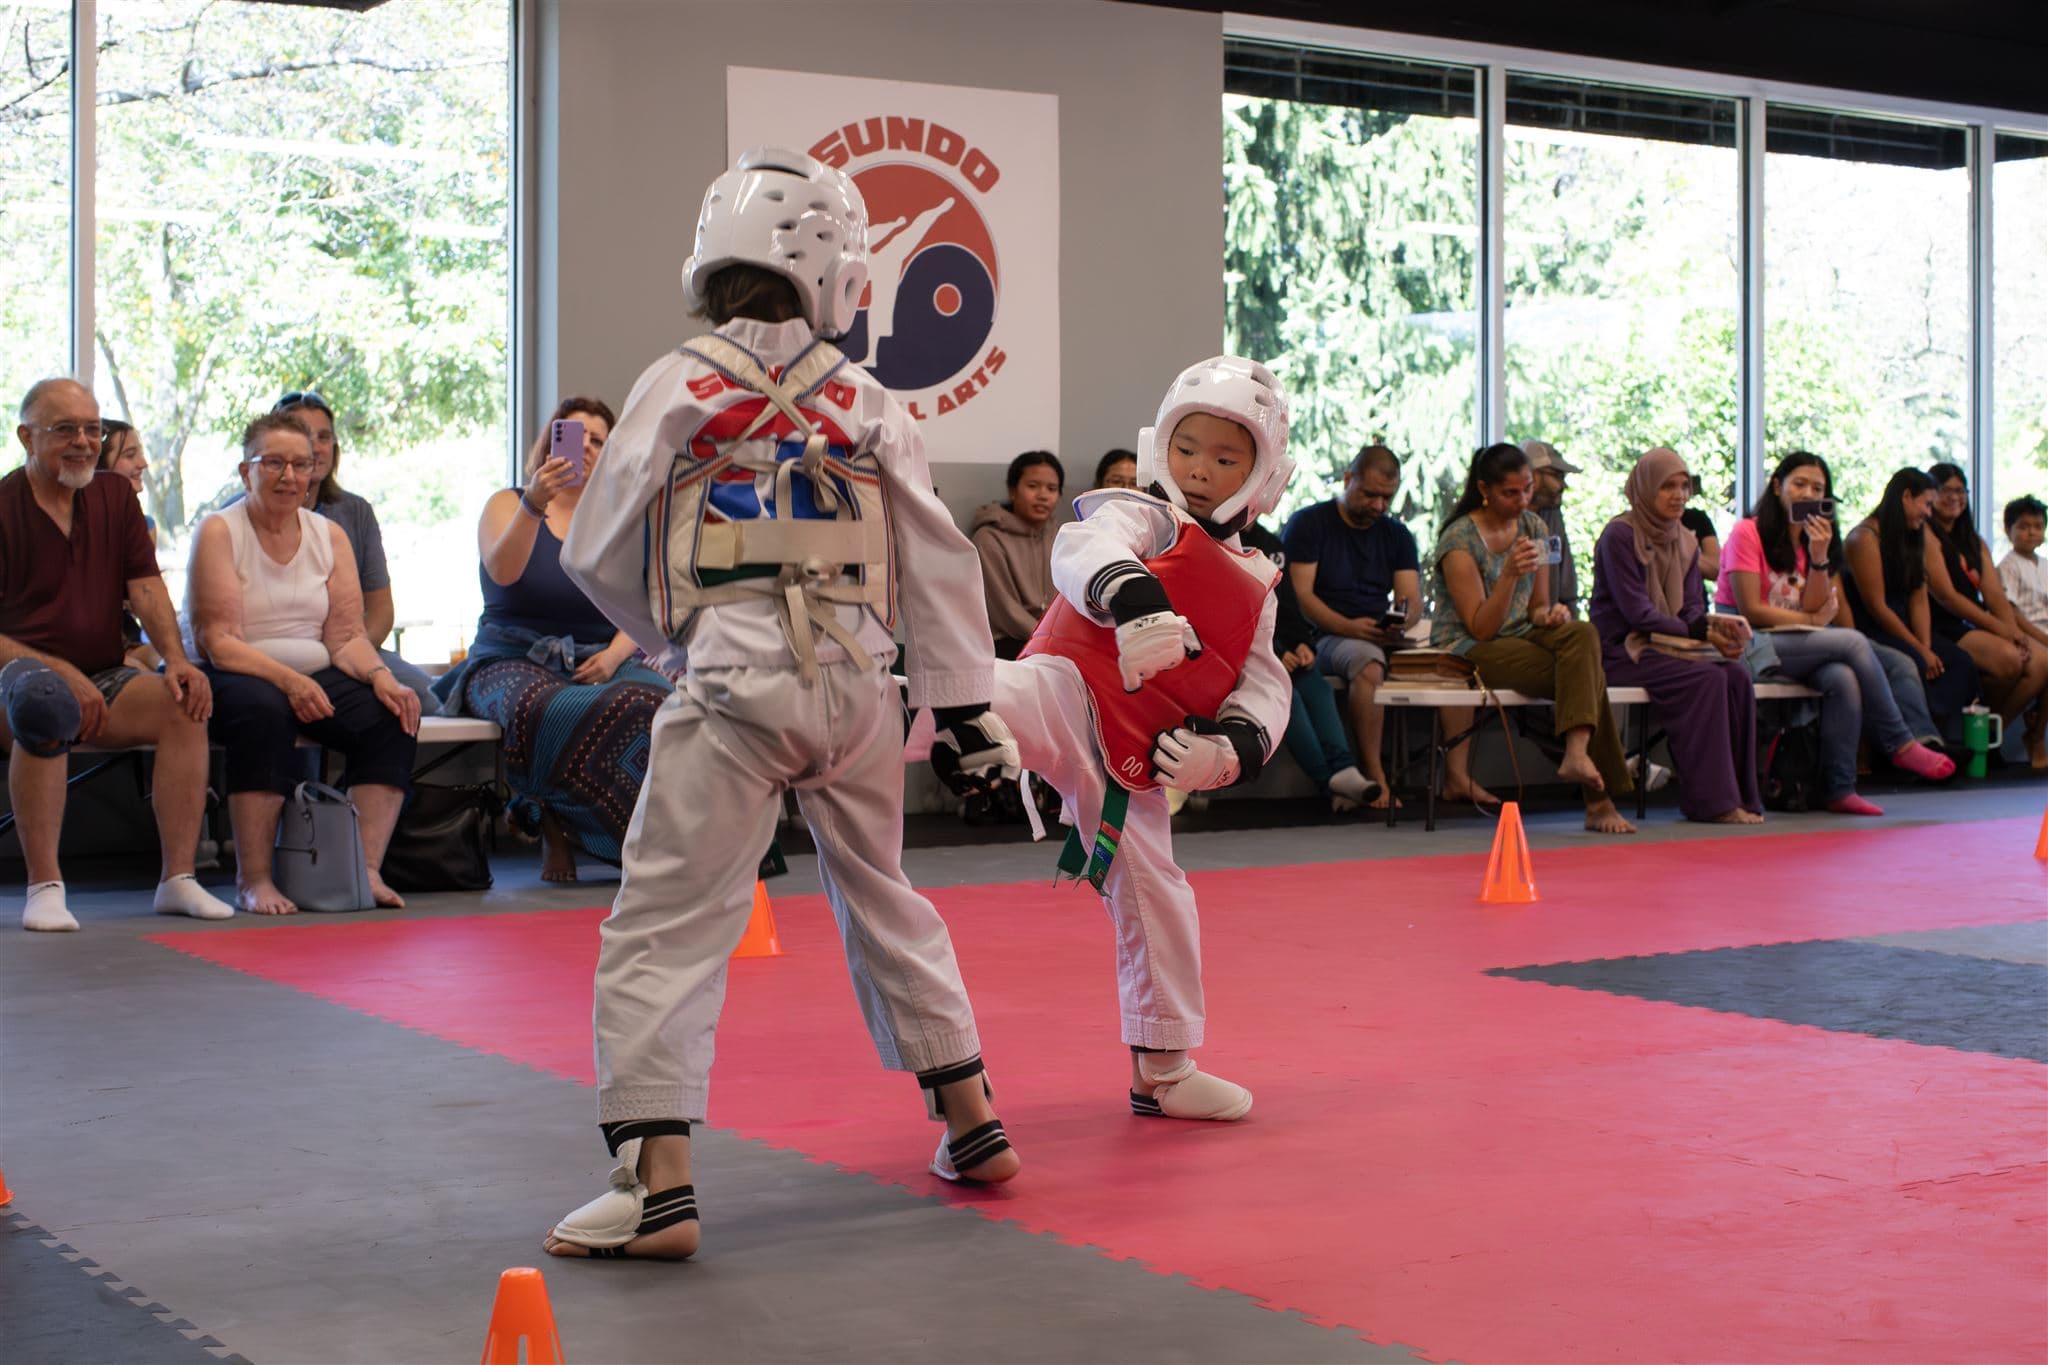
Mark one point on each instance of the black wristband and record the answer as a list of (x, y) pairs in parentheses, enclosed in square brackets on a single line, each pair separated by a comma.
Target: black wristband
[(1139, 595), (1824, 566), (1245, 737), (952, 717)]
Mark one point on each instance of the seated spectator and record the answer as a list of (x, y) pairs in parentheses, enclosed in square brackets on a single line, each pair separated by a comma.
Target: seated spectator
[(1315, 728), (1966, 603), (1014, 539), (121, 452), (1885, 590), (353, 513), (1117, 469), (2022, 572), (1646, 581), (1350, 563), (1702, 527), (1492, 590), (572, 695), (275, 611), (1552, 473), (73, 546), (1781, 576)]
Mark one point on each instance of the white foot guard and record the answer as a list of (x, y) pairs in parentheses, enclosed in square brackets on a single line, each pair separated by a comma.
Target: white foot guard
[(1180, 1091), (626, 1210)]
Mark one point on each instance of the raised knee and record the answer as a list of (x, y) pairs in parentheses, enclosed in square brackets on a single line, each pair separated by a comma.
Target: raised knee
[(42, 712)]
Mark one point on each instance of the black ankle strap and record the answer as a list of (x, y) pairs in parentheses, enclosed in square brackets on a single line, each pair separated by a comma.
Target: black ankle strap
[(617, 1135), (977, 1145)]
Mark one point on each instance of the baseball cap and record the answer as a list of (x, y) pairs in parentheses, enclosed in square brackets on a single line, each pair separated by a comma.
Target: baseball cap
[(1543, 455)]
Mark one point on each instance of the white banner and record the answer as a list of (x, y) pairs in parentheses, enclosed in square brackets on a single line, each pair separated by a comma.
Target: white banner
[(962, 316)]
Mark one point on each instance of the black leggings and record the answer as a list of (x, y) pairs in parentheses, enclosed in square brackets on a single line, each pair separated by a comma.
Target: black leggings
[(253, 721)]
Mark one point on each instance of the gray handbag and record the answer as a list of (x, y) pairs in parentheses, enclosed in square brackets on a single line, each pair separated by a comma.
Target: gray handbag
[(318, 863)]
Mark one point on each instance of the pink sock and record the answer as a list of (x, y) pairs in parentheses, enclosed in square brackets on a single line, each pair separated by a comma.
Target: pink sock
[(1922, 761), (1852, 804)]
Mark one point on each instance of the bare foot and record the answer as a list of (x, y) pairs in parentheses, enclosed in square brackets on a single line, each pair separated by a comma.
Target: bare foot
[(1603, 818), (1469, 790), (263, 898), (384, 895), (557, 854), (1384, 797), (1580, 769), (967, 1107), (664, 1165), (1738, 816)]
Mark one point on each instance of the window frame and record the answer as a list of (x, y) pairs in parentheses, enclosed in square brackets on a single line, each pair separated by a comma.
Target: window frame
[(1981, 125)]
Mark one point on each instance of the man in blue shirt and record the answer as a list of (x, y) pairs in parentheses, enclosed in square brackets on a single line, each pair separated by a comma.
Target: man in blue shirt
[(1350, 564)]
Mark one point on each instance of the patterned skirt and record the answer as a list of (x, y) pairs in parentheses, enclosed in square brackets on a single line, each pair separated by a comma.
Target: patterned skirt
[(576, 751)]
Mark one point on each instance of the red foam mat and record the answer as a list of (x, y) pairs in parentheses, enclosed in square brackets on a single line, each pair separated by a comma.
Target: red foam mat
[(1479, 1167)]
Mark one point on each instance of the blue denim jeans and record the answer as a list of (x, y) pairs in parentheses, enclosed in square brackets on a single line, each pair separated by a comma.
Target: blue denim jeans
[(1315, 730), (1902, 671), (1842, 666)]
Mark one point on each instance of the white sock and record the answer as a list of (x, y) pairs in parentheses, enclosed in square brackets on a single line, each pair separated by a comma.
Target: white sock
[(183, 895), (1352, 785), (45, 908)]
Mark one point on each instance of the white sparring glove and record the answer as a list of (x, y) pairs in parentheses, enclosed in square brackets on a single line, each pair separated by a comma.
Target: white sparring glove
[(1189, 762), (1151, 636), (973, 752)]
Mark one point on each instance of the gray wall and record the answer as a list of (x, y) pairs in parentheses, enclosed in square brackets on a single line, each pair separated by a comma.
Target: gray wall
[(630, 127)]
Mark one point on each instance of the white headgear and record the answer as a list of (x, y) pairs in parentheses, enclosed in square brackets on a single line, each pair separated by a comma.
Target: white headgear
[(793, 215), (1237, 390)]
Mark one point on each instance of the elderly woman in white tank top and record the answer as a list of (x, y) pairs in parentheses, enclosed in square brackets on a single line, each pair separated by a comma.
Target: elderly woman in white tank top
[(276, 618)]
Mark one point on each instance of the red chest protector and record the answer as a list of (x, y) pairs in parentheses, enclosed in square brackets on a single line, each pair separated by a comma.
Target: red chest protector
[(1209, 585)]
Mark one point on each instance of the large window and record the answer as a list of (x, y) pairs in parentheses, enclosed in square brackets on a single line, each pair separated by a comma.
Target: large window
[(35, 199), (1867, 295), (1621, 224), (1351, 257), (2019, 275), (294, 197)]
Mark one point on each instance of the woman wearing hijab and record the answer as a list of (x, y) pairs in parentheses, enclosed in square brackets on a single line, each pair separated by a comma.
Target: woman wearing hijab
[(1646, 582)]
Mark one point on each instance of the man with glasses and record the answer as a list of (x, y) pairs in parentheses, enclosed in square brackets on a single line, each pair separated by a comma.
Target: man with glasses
[(1352, 566), (73, 547)]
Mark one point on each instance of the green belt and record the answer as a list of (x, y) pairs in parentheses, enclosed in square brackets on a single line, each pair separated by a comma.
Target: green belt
[(1090, 863)]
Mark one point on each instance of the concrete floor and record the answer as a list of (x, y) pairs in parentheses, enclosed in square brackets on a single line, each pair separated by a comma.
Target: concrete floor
[(210, 1166)]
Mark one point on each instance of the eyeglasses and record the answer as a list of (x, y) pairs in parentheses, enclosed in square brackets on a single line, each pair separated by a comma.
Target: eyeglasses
[(67, 432), (275, 468)]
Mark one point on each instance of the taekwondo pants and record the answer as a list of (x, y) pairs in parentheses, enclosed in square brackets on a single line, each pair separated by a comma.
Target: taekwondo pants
[(1158, 937), (725, 745)]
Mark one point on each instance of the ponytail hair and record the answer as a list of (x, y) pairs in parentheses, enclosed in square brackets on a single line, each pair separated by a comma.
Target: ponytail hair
[(1490, 465)]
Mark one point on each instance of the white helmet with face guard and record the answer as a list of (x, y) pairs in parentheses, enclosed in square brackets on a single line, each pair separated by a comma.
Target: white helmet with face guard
[(794, 216), (1237, 390)]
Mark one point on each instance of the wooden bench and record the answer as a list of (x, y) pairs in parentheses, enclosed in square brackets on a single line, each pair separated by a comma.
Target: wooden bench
[(456, 734), (1634, 703)]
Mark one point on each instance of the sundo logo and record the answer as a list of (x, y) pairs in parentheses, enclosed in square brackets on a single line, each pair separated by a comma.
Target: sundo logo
[(925, 324)]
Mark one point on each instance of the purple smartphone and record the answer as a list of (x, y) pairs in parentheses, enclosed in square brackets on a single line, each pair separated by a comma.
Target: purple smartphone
[(565, 442)]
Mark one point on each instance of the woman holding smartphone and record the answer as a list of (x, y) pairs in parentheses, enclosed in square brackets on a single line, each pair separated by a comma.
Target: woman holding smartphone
[(1492, 591), (548, 667), (1780, 572)]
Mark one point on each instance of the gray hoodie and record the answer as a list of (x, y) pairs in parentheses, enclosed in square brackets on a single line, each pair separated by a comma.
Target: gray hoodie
[(1016, 569)]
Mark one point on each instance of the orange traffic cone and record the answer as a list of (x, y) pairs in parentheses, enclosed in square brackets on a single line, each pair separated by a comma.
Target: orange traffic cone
[(1509, 878), (521, 1313), (2040, 845), (6, 1195), (760, 939)]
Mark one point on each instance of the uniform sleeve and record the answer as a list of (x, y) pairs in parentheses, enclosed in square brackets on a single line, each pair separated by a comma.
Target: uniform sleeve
[(948, 653), (1264, 693), (605, 553), (1114, 534), (370, 565)]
